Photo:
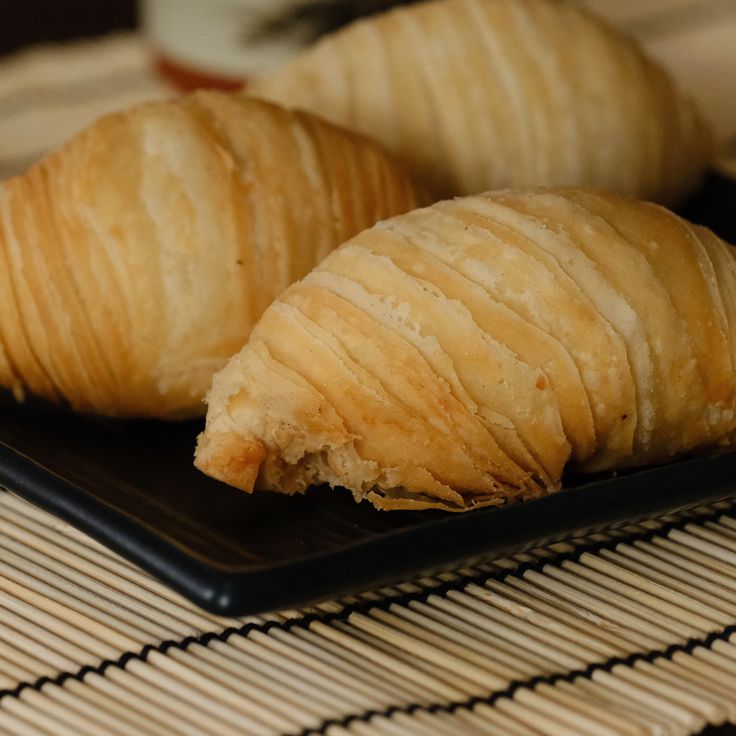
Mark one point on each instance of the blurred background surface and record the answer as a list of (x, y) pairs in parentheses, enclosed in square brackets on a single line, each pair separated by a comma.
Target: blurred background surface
[(65, 62), (25, 22)]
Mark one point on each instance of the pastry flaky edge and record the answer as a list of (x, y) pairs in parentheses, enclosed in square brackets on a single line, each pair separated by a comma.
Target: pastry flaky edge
[(486, 94), (135, 260), (462, 355)]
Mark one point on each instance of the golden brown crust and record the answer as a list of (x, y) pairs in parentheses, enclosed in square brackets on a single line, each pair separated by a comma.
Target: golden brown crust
[(231, 458), (460, 355), (135, 260), (485, 94)]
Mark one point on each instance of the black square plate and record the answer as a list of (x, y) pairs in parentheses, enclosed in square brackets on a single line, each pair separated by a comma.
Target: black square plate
[(132, 486)]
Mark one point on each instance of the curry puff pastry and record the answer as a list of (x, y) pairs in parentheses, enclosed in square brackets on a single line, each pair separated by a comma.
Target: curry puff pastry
[(136, 259), (461, 355), (485, 94)]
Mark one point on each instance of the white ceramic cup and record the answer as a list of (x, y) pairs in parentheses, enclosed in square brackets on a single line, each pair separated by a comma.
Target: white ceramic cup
[(221, 39)]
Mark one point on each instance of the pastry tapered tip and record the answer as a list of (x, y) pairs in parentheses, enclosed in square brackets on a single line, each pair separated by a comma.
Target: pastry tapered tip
[(230, 458)]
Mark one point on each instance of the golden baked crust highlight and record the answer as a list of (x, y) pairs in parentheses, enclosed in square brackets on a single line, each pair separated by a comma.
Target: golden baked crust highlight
[(486, 94), (135, 260), (463, 354)]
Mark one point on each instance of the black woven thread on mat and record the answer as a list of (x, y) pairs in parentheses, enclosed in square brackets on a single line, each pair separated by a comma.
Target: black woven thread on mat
[(385, 604), (516, 685)]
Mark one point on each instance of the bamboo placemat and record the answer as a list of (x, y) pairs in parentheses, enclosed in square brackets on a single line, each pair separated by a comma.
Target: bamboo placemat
[(628, 632)]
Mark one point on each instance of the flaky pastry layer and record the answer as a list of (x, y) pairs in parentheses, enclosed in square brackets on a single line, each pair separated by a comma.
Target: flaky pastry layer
[(463, 354), (486, 94), (135, 260)]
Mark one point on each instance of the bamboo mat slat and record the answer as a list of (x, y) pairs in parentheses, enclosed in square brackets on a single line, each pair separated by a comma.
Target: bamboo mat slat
[(627, 632)]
